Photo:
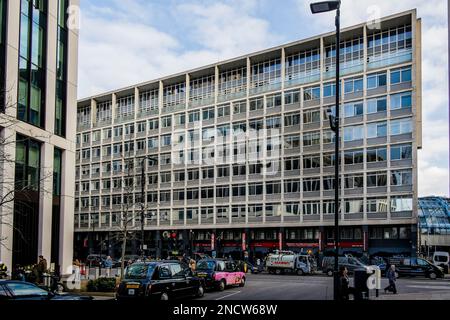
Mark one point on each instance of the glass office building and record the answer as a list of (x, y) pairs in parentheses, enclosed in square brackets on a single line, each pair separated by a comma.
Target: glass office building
[(434, 224), (37, 143), (245, 153)]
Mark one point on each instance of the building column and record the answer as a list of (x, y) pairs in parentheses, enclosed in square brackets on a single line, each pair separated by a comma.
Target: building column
[(281, 238), (185, 246), (158, 244), (7, 169), (67, 212), (414, 240), (45, 202), (365, 235)]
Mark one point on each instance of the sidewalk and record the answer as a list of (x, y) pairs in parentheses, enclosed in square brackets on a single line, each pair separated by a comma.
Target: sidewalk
[(413, 296)]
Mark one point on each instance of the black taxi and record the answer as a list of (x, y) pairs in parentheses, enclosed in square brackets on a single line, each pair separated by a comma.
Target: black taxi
[(159, 280)]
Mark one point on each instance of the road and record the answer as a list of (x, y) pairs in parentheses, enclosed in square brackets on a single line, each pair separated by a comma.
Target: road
[(318, 287)]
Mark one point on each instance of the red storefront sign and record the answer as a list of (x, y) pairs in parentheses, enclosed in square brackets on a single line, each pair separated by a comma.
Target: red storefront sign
[(204, 245), (266, 244), (347, 244), (302, 245)]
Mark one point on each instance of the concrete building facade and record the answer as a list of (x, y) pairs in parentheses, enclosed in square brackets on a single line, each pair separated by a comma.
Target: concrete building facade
[(284, 198), (39, 52)]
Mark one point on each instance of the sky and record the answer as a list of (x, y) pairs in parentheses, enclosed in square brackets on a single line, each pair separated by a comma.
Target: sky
[(123, 43)]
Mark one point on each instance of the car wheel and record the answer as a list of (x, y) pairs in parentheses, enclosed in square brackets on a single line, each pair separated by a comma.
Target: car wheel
[(200, 292), (330, 273), (432, 276), (278, 272), (164, 297), (222, 285), (300, 272), (242, 284)]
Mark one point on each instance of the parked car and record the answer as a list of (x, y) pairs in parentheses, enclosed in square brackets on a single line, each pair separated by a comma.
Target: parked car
[(351, 263), (95, 260), (441, 259), (218, 274), (22, 291), (414, 267), (159, 280)]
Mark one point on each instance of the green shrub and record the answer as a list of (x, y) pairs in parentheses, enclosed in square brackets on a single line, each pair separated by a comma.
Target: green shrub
[(102, 285)]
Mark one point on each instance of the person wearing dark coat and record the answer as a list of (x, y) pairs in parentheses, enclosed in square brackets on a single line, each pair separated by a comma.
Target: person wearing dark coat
[(391, 275), (344, 289)]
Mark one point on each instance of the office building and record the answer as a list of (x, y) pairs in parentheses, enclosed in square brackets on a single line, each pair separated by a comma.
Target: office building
[(259, 197), (37, 157)]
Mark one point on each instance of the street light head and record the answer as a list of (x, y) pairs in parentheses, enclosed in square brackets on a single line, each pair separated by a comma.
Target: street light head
[(325, 6)]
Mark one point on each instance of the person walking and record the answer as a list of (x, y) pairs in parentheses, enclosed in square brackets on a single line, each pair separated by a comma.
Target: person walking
[(108, 264), (41, 268), (344, 284), (3, 270), (391, 275)]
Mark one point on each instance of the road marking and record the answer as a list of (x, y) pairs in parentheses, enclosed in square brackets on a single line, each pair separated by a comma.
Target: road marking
[(430, 287), (229, 295)]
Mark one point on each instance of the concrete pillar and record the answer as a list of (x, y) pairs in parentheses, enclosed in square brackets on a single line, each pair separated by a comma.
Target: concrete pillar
[(414, 249), (158, 244), (7, 172), (66, 231), (45, 202)]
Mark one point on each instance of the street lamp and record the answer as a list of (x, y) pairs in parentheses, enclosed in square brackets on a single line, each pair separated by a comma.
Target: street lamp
[(143, 201), (320, 7)]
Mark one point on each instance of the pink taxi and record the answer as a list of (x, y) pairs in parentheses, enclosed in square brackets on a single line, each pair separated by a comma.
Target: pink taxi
[(219, 274)]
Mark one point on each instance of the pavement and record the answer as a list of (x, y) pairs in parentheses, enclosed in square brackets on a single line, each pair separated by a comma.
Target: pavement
[(318, 287)]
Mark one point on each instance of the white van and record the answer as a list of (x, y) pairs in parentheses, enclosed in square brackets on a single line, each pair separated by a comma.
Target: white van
[(441, 259)]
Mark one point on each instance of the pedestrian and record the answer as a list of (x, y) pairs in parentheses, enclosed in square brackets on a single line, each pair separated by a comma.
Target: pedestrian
[(391, 275), (192, 265), (344, 284), (3, 270), (41, 268)]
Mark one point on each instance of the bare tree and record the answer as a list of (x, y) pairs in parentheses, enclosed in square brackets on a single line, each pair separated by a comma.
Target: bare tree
[(17, 192)]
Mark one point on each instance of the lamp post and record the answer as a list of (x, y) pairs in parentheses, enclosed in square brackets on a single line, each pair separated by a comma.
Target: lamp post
[(319, 7), (143, 201)]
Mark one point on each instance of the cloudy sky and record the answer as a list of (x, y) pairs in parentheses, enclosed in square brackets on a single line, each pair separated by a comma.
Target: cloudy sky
[(127, 42)]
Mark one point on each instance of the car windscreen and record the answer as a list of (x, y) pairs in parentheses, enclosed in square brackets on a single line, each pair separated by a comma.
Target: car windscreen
[(206, 265), (440, 258), (139, 271)]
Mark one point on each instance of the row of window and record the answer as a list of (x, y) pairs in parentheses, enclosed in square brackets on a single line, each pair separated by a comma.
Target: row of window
[(375, 179), (125, 106), (312, 161), (221, 148), (352, 109), (309, 208)]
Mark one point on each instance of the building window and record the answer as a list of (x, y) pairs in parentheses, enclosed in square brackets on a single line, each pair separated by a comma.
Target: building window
[(376, 154), (353, 109), (311, 184), (311, 162), (401, 152), (376, 80), (376, 179), (274, 101), (233, 81), (377, 105), (266, 73), (61, 69), (402, 126), (257, 104), (292, 119), (291, 97), (354, 181), (239, 107), (401, 101), (311, 139), (377, 130), (311, 208), (353, 133), (174, 95), (202, 88), (401, 178), (353, 85), (377, 205), (148, 101), (353, 206), (312, 93), (354, 157), (329, 90), (32, 62), (125, 107), (311, 116), (401, 75), (223, 111), (303, 65)]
